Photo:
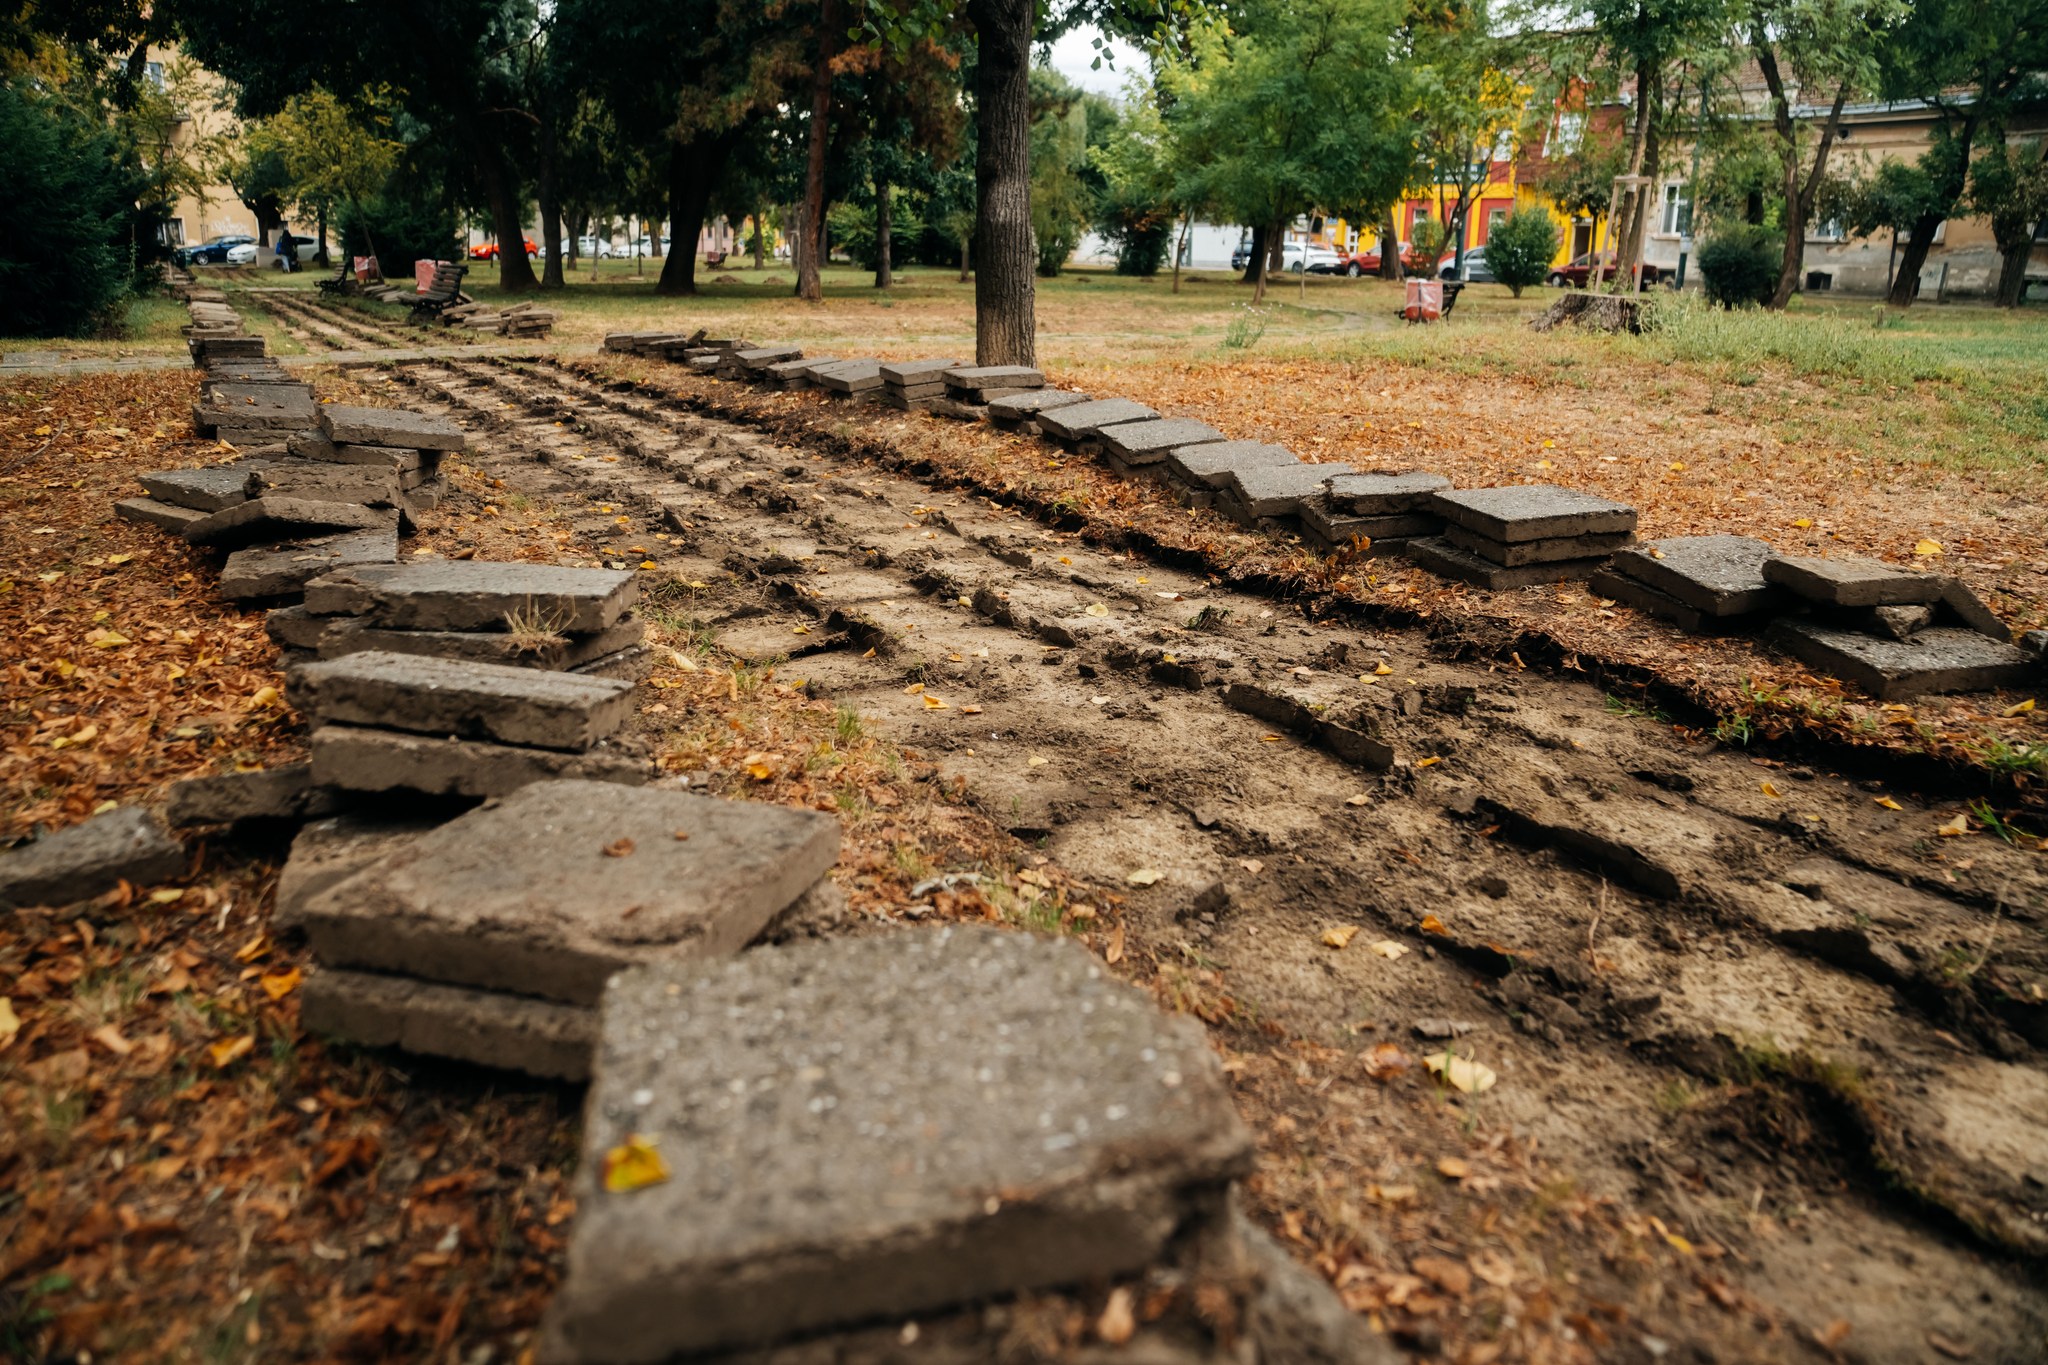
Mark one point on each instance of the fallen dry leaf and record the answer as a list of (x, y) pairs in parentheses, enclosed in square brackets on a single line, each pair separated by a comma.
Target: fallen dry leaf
[(227, 1050), (1390, 950), (1118, 1321), (618, 848), (1889, 804), (1453, 1167), (633, 1165), (1461, 1073), (1958, 824), (1339, 936), (277, 985), (1144, 876)]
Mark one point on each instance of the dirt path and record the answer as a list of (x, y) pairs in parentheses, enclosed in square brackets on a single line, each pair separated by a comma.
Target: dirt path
[(1770, 1041), (321, 327)]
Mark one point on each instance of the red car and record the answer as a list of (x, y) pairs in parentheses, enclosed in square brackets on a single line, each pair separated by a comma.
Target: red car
[(1368, 262), (488, 251), (1576, 273)]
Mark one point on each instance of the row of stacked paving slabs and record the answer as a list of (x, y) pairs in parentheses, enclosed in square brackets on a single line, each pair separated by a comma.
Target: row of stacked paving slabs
[(1893, 632)]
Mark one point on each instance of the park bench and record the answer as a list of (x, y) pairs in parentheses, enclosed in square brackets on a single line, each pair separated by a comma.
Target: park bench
[(342, 282), (442, 291), (715, 257)]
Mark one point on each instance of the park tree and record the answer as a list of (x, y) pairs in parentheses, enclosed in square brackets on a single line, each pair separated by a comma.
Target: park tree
[(1824, 47), (1520, 249), (2009, 186), (1141, 202), (1889, 197), (1465, 106), (332, 154), (1973, 62), (64, 268)]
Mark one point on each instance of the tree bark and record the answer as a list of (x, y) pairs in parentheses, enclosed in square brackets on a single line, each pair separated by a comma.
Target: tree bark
[(321, 254), (2012, 273), (1257, 255), (760, 237), (1005, 292), (810, 283), (550, 213), (1180, 246), (1392, 267), (515, 272), (1276, 248), (1799, 195), (1629, 217), (1264, 264), (1906, 280), (884, 277), (691, 169)]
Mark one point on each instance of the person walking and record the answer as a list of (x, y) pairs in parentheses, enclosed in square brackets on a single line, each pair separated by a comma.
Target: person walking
[(287, 252)]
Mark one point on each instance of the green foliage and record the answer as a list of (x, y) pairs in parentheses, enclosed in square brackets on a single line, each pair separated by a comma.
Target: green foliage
[(398, 231), (1243, 331), (1521, 247), (2009, 185), (1581, 182), (63, 270), (1136, 209), (1429, 236), (851, 228), (1061, 205), (1739, 264)]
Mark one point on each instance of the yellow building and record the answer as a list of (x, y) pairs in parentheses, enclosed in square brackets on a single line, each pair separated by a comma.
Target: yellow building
[(205, 124)]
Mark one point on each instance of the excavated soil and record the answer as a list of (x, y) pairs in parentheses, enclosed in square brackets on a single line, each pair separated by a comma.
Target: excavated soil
[(1768, 1047)]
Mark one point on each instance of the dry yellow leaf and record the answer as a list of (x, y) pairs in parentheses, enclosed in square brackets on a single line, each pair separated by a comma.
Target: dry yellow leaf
[(1461, 1073), (2019, 709), (277, 985), (1359, 800), (1453, 1167), (759, 769), (933, 703), (1036, 762), (1960, 824), (1926, 549), (166, 896), (1428, 762), (1889, 804), (633, 1165), (647, 564), (1382, 671), (227, 1050), (1339, 936), (1769, 790), (1390, 950), (1118, 1321), (10, 1022), (106, 639), (1098, 609), (1144, 876), (1803, 523)]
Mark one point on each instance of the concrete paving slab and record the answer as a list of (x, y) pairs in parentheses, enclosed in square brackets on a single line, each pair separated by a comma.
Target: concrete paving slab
[(904, 372), (207, 489), (227, 392), (331, 849), (1211, 465), (1968, 609), (878, 1128), (359, 758), (994, 377), (1633, 592), (475, 594), (335, 636), (270, 519), (1851, 581), (1277, 490), (324, 481), (1940, 659), (1441, 557), (1716, 575), (1139, 443), (164, 515), (286, 793), (1385, 495), (1515, 553), (1022, 407), (486, 1028), (1081, 421), (1335, 530), (89, 859), (557, 886), (268, 571), (1533, 512), (530, 706), (761, 357), (851, 376), (346, 425)]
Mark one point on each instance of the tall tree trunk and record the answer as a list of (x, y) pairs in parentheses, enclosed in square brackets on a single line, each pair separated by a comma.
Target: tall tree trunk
[(1005, 293), (1906, 281), (1392, 267), (760, 237), (574, 221), (515, 272), (321, 220), (1256, 256), (550, 212), (2012, 272), (1629, 216), (1180, 246), (965, 260), (884, 277), (1799, 194), (1264, 264), (810, 283), (1276, 248), (691, 169)]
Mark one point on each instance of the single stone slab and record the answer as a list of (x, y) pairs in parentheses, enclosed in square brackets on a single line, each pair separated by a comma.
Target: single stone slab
[(334, 848), (319, 480), (1533, 512), (150, 512), (761, 357), (994, 377), (256, 405), (1616, 586), (486, 1028), (798, 372), (905, 372), (1550, 550), (1968, 609), (208, 489), (286, 793), (335, 636), (1021, 407), (545, 709), (280, 570), (346, 425), (1385, 495), (1080, 421), (1212, 465), (1449, 561), (1277, 490), (225, 393), (1940, 659), (1849, 581), (88, 859), (551, 890), (851, 376), (1336, 529), (476, 594), (1149, 442), (878, 1128), (355, 758), (314, 445), (1717, 575), (282, 518)]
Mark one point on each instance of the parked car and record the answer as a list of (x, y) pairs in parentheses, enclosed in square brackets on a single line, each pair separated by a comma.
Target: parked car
[(1242, 256), (1358, 263), (1576, 272), (242, 252), (1311, 256), (488, 251), (1476, 269), (212, 251), (600, 247)]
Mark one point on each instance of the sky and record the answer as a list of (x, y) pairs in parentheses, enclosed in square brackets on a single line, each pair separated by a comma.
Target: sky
[(1074, 51)]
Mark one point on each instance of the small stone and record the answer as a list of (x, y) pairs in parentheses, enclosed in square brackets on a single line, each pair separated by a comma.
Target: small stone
[(89, 859)]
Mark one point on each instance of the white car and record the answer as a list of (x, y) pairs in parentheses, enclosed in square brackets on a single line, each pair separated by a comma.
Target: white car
[(304, 248), (600, 247), (245, 254), (1317, 260)]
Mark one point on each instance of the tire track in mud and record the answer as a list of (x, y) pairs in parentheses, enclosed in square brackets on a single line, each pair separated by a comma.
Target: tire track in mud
[(1744, 995), (317, 325)]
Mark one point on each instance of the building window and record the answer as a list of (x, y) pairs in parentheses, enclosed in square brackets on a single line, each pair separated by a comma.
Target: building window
[(1504, 145), (171, 233), (1494, 218), (1829, 230), (153, 72), (1571, 128), (1677, 219)]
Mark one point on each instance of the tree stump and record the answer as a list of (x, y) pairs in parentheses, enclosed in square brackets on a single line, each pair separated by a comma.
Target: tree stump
[(1603, 312)]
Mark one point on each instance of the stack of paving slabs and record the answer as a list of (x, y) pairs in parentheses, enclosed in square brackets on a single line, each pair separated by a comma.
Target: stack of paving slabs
[(1701, 583), (208, 349), (1512, 537), (783, 375), (410, 444), (253, 370), (849, 381), (252, 414), (1269, 497), (1077, 426), (1019, 411), (1386, 509), (647, 343), (799, 1141), (914, 385), (1893, 632), (751, 364), (1197, 473), (703, 354), (489, 939), (520, 320), (211, 318), (536, 616), (1134, 447), (971, 388)]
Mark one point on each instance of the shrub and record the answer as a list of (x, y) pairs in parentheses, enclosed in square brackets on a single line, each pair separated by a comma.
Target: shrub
[(1739, 265), (1519, 251), (398, 233), (63, 270), (1428, 237), (851, 228)]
